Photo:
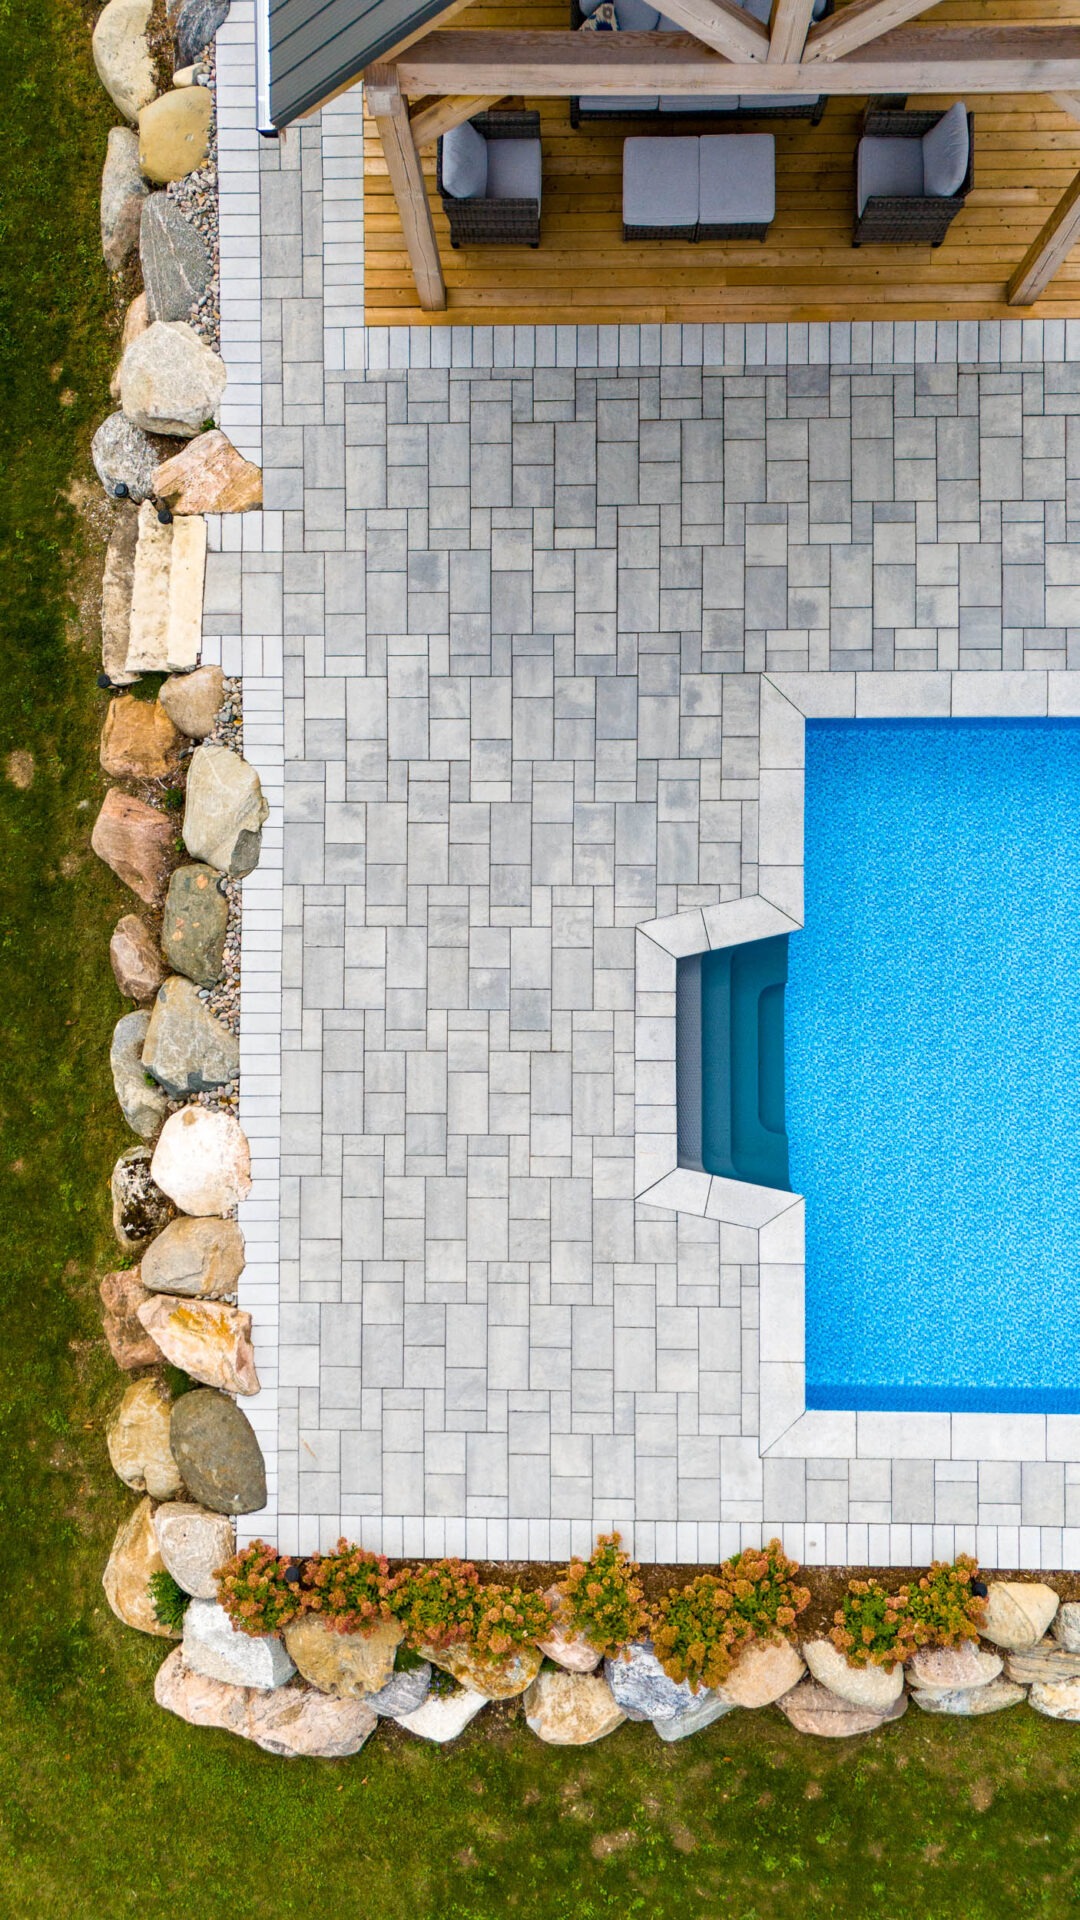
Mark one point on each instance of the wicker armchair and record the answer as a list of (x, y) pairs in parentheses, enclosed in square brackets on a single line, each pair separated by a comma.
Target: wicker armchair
[(905, 216), (508, 212)]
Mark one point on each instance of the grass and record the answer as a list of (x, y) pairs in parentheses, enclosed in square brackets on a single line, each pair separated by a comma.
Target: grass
[(106, 1804)]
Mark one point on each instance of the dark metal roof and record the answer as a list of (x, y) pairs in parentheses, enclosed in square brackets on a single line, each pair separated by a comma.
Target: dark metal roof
[(318, 46)]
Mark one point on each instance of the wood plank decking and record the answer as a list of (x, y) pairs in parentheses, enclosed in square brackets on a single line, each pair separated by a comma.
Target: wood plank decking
[(1026, 154)]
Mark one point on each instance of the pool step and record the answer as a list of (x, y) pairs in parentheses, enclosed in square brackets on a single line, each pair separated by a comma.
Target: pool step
[(729, 1059)]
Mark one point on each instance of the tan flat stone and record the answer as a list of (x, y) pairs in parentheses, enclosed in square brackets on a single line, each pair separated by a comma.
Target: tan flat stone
[(495, 1679), (137, 1437), (126, 1580), (122, 54), (117, 587), (209, 475), (165, 632), (762, 1673), (138, 740), (206, 1339), (347, 1665), (174, 133), (875, 1688), (1018, 1613), (568, 1709), (293, 1721)]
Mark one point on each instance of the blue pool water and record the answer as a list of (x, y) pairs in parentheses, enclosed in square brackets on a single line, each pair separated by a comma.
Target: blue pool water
[(932, 1051)]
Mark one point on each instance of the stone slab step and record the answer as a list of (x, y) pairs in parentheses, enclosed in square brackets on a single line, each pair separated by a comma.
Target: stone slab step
[(165, 632)]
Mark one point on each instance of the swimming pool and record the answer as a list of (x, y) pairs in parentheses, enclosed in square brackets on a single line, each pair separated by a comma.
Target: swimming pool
[(932, 1064)]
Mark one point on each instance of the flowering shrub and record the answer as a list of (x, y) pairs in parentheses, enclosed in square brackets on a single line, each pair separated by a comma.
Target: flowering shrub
[(603, 1600), (349, 1588), (254, 1591), (695, 1634), (444, 1603), (761, 1581), (872, 1627), (699, 1630), (944, 1611)]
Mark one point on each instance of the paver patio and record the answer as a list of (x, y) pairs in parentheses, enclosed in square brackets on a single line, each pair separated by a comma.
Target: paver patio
[(513, 619)]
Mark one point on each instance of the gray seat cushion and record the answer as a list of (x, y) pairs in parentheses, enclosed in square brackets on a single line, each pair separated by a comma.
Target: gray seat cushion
[(513, 170), (698, 103), (891, 167), (618, 103), (660, 182), (749, 101), (737, 183)]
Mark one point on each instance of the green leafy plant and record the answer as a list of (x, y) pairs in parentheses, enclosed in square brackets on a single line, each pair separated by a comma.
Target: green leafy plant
[(943, 1609), (349, 1588), (255, 1591), (872, 1627), (602, 1598), (170, 1602)]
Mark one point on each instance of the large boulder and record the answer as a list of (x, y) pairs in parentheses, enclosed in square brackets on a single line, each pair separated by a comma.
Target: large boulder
[(708, 1705), (123, 456), (763, 1671), (117, 587), (219, 1651), (194, 1543), (200, 1259), (403, 1693), (188, 1049), (345, 1664), (1047, 1663), (142, 1104), (176, 265), (165, 624), (567, 1648), (129, 1342), (1057, 1699), (224, 811), (137, 1437), (170, 381), (442, 1716), (136, 962), (195, 924), (1066, 1625), (642, 1688), (122, 57), (991, 1697), (192, 700), (135, 841), (202, 1161), (812, 1708), (1018, 1613), (194, 23), (136, 321), (206, 1339), (571, 1709), (209, 476), (174, 133), (293, 1722), (132, 1562), (493, 1679), (215, 1448), (138, 740), (123, 192), (944, 1669), (869, 1686), (139, 1208)]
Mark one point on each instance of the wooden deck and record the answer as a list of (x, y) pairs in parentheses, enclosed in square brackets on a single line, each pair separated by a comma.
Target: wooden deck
[(1026, 153)]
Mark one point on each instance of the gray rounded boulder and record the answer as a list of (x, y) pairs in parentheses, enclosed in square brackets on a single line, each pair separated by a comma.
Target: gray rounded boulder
[(219, 1457), (123, 457), (195, 924), (175, 263)]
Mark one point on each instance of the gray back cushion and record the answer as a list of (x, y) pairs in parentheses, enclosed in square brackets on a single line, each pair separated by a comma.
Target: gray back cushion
[(945, 152), (464, 162)]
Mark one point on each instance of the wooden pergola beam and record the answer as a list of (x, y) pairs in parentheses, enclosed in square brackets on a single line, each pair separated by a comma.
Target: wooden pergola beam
[(387, 106), (1046, 254), (954, 60), (861, 22), (722, 26), (431, 122), (791, 22), (1067, 103)]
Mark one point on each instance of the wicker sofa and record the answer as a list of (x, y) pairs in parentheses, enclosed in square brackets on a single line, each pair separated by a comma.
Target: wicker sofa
[(892, 206), (688, 113), (699, 186), (507, 211)]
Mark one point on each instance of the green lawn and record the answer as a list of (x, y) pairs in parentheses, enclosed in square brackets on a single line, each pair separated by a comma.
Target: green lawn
[(106, 1805)]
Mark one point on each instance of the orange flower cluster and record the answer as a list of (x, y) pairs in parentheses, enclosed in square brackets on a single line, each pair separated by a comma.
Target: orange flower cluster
[(602, 1598), (700, 1629), (875, 1628)]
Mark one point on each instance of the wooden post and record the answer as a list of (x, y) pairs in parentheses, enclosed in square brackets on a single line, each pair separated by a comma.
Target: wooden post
[(1048, 252), (791, 22), (387, 105), (430, 123)]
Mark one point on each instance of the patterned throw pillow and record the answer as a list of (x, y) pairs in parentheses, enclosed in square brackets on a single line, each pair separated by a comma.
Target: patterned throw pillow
[(601, 19)]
